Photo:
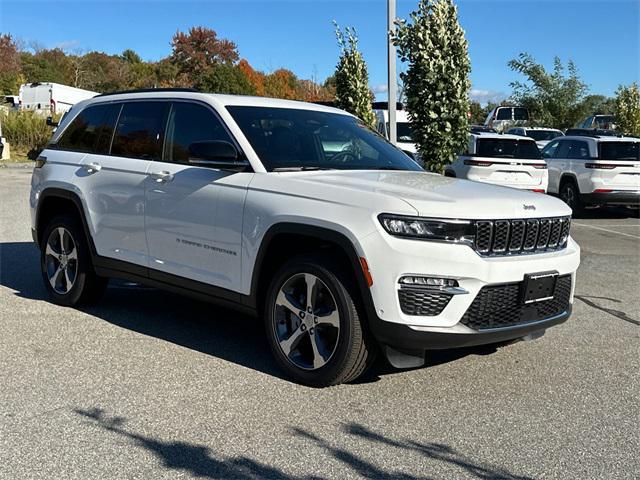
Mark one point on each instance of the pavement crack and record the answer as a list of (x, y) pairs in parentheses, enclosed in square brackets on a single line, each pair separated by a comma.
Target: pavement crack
[(616, 313)]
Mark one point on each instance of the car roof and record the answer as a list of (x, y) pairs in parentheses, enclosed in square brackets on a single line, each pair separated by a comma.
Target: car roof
[(600, 139), (501, 136), (541, 128), (222, 100)]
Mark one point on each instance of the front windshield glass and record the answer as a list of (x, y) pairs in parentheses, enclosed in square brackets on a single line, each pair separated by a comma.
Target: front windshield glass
[(541, 135), (288, 138), (503, 148)]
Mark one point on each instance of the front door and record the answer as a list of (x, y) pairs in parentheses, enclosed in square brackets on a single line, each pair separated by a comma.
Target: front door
[(194, 213)]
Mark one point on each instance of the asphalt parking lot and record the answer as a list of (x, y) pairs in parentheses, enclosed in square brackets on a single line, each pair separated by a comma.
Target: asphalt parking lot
[(149, 385)]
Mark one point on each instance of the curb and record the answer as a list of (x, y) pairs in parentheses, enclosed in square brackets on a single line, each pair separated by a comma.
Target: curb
[(17, 165)]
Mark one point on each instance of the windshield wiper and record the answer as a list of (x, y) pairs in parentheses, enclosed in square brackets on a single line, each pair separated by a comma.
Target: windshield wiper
[(300, 169)]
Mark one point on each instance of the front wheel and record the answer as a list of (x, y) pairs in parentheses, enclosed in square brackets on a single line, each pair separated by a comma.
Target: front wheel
[(313, 326)]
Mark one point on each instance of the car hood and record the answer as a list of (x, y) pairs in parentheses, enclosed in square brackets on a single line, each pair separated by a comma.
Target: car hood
[(435, 195)]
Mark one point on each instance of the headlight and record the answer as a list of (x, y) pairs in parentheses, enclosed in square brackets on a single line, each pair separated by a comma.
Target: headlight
[(437, 229)]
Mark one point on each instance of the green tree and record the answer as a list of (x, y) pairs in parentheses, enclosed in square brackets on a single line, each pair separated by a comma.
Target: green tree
[(598, 105), (352, 78), (436, 81), (554, 99), (477, 114), (628, 109), (225, 79)]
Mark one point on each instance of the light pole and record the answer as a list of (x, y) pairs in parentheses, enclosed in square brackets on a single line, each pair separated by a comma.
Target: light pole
[(392, 86)]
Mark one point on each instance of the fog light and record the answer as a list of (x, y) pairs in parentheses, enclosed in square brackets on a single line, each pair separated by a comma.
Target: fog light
[(428, 281)]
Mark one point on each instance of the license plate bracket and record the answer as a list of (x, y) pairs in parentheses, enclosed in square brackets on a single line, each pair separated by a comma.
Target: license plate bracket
[(538, 287)]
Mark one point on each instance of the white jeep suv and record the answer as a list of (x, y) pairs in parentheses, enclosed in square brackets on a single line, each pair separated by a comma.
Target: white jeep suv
[(301, 215), (507, 160), (594, 170)]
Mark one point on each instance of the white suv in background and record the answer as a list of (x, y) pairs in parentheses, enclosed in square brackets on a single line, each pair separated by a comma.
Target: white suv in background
[(541, 135), (301, 215), (594, 170), (507, 160)]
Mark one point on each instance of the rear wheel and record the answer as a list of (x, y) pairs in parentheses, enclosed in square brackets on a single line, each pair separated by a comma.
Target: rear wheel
[(313, 326), (66, 266), (570, 194)]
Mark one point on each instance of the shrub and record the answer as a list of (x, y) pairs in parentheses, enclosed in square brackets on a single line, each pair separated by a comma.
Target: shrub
[(25, 130), (628, 109)]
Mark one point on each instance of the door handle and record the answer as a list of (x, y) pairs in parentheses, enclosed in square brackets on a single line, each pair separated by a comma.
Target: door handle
[(92, 167), (162, 177)]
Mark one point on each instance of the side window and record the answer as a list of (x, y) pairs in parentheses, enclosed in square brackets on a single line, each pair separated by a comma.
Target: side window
[(550, 149), (504, 113), (563, 150), (579, 150), (189, 123), (90, 131), (140, 130)]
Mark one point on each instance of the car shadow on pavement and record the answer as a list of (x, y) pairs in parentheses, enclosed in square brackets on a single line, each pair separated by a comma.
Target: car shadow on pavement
[(201, 460), (604, 213), (192, 324)]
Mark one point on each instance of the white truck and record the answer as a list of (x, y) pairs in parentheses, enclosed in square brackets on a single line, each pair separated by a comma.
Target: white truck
[(404, 137), (51, 98)]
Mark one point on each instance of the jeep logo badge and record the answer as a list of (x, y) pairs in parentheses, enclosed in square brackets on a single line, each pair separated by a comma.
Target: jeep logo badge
[(529, 207)]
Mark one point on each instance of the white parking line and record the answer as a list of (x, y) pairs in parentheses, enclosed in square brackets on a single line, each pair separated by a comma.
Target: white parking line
[(605, 230)]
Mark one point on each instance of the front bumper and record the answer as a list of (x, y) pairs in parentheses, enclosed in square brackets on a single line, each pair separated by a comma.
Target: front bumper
[(615, 197), (416, 340), (390, 258)]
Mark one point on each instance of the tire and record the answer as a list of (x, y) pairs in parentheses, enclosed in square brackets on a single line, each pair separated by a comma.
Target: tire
[(449, 173), (343, 349), (67, 262), (570, 194)]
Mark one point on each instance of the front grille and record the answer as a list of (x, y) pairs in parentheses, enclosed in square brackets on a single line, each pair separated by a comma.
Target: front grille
[(414, 301), (498, 306), (514, 237)]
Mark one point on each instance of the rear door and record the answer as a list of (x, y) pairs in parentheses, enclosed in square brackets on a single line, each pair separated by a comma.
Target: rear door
[(554, 168), (194, 213), (579, 157), (114, 178)]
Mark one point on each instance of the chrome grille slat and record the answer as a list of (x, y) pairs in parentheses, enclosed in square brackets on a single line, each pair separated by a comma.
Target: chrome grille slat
[(521, 236)]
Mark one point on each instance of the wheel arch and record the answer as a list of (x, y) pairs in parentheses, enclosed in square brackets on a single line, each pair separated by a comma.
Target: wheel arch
[(54, 201), (284, 240), (568, 177)]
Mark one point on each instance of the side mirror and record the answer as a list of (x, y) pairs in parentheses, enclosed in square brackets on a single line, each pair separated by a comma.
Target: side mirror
[(216, 154), (51, 123)]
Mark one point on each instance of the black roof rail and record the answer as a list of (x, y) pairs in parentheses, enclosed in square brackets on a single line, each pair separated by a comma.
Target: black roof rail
[(592, 132), (148, 90)]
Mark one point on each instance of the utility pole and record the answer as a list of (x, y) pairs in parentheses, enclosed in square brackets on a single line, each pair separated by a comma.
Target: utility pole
[(392, 86)]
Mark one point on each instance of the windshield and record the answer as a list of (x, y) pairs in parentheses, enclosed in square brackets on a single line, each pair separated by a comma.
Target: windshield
[(287, 138), (499, 148), (620, 151), (541, 135), (403, 132)]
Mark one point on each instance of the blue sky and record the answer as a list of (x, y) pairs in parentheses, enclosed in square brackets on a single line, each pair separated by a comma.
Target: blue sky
[(602, 37)]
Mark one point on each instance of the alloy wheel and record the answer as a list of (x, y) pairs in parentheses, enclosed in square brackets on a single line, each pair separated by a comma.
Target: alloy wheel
[(306, 321), (61, 260)]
